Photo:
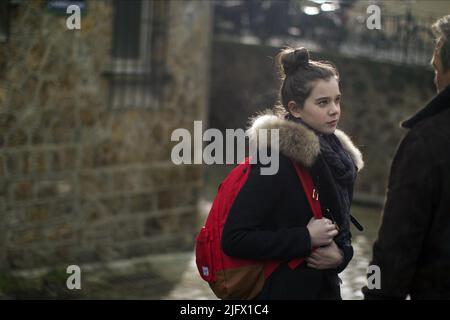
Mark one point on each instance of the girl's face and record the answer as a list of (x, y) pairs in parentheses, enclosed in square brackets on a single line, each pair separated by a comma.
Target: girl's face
[(322, 109)]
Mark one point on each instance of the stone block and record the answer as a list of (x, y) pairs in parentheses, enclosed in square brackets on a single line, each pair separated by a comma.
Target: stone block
[(166, 199), (68, 210), (93, 234), (13, 164), (152, 226), (92, 183), (55, 161), (193, 173), (17, 137), (38, 214), (41, 164), (23, 190), (159, 178), (105, 154), (133, 180), (27, 163), (7, 122), (114, 205), (37, 136), (60, 232), (61, 134), (2, 166), (87, 117), (69, 159), (144, 202), (46, 189), (125, 230), (118, 181), (87, 157)]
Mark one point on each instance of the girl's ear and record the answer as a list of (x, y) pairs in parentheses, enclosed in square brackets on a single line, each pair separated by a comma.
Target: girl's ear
[(294, 109)]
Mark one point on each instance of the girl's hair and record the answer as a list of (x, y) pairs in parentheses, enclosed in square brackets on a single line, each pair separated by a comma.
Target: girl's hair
[(298, 74)]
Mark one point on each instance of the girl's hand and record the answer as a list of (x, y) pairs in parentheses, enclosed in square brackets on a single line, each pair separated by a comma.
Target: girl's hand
[(328, 257), (321, 231)]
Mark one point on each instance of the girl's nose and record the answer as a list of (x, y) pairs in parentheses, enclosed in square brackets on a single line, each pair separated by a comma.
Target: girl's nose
[(334, 109)]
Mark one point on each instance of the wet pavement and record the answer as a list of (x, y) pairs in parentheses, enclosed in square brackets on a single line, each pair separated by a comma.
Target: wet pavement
[(191, 286), (174, 276)]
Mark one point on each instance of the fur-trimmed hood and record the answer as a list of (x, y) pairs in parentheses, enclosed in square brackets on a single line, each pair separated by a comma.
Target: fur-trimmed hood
[(296, 141)]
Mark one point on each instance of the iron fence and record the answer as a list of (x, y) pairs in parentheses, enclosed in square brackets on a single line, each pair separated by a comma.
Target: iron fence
[(401, 38)]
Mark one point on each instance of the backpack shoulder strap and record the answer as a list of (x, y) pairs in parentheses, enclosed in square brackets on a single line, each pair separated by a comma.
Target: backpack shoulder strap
[(313, 198), (310, 191)]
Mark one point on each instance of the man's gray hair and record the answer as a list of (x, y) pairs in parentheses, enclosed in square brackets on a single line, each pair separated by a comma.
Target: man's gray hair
[(441, 30)]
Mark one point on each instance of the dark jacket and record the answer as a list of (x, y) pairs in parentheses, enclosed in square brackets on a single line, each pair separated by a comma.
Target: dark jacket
[(413, 245), (269, 216)]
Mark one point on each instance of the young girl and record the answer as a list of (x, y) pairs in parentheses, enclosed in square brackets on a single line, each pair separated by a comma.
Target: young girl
[(271, 217)]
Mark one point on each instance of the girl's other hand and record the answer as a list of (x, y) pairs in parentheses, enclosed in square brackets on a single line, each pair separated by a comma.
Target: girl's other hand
[(328, 257)]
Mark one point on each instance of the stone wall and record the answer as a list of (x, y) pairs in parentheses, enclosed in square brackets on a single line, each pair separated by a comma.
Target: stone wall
[(80, 182), (376, 98)]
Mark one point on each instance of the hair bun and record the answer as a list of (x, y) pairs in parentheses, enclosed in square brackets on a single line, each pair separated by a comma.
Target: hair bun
[(293, 59)]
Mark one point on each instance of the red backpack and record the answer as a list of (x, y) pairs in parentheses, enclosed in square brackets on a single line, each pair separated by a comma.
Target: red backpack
[(233, 278)]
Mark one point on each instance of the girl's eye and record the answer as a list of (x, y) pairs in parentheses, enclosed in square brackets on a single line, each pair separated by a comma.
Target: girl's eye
[(323, 102)]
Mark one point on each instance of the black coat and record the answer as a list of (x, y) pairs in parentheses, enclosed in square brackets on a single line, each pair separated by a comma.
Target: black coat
[(269, 216), (413, 245)]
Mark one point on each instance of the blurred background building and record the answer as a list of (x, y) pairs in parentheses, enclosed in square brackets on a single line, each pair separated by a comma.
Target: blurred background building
[(86, 117)]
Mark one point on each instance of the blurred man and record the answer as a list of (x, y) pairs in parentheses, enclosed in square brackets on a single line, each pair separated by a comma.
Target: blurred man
[(413, 245)]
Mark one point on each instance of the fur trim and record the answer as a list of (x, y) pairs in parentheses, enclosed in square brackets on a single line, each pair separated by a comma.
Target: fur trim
[(350, 148), (296, 140)]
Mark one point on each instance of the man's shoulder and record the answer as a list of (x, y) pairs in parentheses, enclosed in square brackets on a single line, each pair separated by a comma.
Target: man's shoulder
[(436, 125), (428, 141)]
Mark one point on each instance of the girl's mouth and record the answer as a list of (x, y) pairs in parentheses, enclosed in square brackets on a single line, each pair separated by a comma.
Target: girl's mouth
[(333, 123)]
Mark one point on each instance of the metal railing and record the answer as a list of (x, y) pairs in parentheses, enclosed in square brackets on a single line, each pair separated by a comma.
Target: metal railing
[(401, 38)]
